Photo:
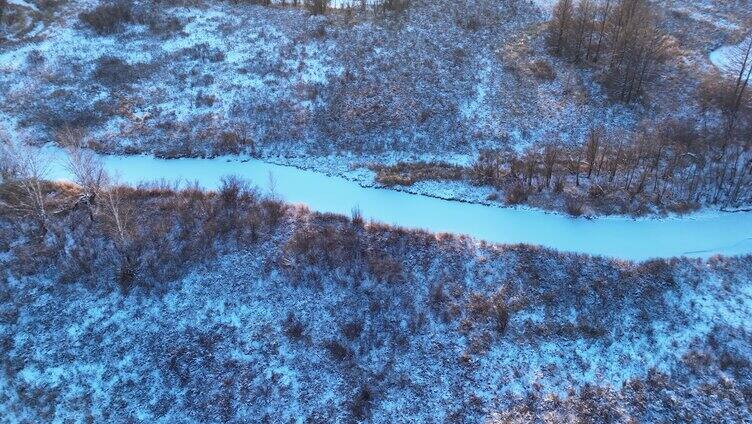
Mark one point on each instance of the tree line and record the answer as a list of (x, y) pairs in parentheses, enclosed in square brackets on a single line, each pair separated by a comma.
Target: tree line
[(677, 164)]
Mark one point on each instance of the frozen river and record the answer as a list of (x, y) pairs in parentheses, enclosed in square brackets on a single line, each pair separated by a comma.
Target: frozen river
[(699, 235), (726, 57)]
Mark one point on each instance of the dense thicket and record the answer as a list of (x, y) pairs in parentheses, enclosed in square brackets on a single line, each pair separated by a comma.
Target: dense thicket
[(97, 229)]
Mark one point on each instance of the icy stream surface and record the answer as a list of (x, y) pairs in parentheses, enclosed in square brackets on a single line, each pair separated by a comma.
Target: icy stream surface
[(723, 57), (699, 235)]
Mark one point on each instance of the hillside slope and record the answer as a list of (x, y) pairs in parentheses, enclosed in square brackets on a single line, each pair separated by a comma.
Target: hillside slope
[(231, 307)]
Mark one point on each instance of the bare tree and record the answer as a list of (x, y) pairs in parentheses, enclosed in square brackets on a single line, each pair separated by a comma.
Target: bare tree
[(550, 157), (730, 96), (582, 29), (741, 63), (605, 10), (560, 26), (118, 222), (89, 174), (25, 170), (591, 148)]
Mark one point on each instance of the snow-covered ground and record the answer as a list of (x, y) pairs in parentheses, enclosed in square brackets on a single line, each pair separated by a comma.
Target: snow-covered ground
[(292, 327), (279, 76), (700, 235)]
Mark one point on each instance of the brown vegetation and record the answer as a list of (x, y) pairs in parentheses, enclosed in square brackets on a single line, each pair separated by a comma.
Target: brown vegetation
[(404, 173), (141, 234), (108, 18)]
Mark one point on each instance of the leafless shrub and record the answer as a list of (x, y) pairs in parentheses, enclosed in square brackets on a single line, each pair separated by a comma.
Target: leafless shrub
[(118, 222), (337, 350), (89, 174), (108, 18), (436, 296), (491, 309), (517, 194), (469, 22), (352, 329), (683, 207), (574, 205), (203, 52), (113, 72), (486, 170), (543, 70), (273, 210), (293, 327), (659, 270), (384, 268), (230, 142), (356, 216), (595, 191), (501, 316), (361, 403), (161, 23), (479, 343)]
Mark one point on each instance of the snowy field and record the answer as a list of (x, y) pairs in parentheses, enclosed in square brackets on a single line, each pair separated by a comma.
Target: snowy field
[(700, 235), (175, 85)]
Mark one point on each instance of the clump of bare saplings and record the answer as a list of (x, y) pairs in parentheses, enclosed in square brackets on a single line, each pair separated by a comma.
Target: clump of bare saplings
[(623, 39)]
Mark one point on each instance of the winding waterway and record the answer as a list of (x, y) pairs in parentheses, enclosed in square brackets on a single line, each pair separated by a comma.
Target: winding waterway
[(699, 235)]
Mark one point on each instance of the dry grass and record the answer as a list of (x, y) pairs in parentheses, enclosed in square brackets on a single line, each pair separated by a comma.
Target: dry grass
[(407, 174)]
